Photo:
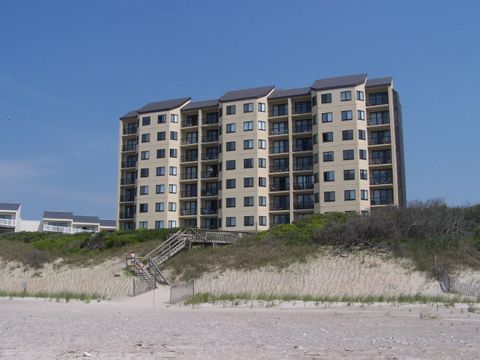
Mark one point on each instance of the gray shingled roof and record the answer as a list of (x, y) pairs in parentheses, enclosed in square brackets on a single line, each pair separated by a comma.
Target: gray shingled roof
[(339, 82), (201, 104), (57, 215), (9, 206), (379, 82), (130, 114), (108, 223), (163, 105), (85, 219), (252, 93), (283, 93)]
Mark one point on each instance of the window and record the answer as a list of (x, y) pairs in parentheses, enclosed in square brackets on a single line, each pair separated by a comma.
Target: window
[(361, 134), (160, 153), (361, 115), (145, 138), (348, 154), (328, 156), (172, 170), (248, 107), (262, 107), (326, 98), (378, 98), (248, 126), (360, 95), (230, 165), (146, 121), (347, 115), (173, 153), (327, 117), (328, 176), (159, 224), (363, 174), (262, 162), (230, 184), (248, 182), (345, 96), (172, 188), (327, 136), (248, 163), (262, 125), (160, 171), (144, 172), (279, 110), (248, 144), (160, 189), (349, 174), (362, 154), (347, 135), (248, 201), (231, 128), (160, 135), (262, 181), (262, 144), (145, 155), (329, 196), (314, 101), (349, 195), (230, 202), (230, 109), (174, 118), (173, 135), (143, 224), (262, 220), (162, 119), (144, 190), (302, 107), (160, 207), (230, 221), (364, 194), (230, 146), (172, 206), (172, 224), (248, 221), (143, 208), (262, 201)]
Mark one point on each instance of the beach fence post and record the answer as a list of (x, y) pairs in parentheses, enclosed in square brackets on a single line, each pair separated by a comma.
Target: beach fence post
[(133, 279)]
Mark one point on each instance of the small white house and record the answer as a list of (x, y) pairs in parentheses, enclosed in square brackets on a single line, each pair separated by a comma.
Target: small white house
[(10, 217)]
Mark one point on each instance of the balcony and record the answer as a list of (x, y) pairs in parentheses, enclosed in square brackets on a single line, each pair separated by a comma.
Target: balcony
[(382, 180), (127, 181), (382, 201), (190, 122), (209, 174), (127, 198), (279, 207), (302, 129), (302, 205), (381, 140), (8, 222), (387, 161), (65, 229), (377, 122), (280, 131), (209, 211), (302, 167), (211, 192), (188, 194), (188, 211), (209, 156), (278, 168), (188, 176), (129, 147), (129, 164), (298, 148), (188, 158), (129, 130), (278, 110), (210, 119), (302, 186), (278, 150), (189, 141), (303, 107), (279, 187), (124, 215), (209, 138)]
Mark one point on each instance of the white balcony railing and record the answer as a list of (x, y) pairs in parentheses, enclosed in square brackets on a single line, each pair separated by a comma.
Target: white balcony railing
[(8, 222), (64, 229)]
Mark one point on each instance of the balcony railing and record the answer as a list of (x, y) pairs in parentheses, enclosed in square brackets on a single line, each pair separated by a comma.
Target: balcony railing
[(380, 161), (65, 229), (129, 131), (302, 129), (187, 158), (209, 120), (209, 138), (189, 123), (382, 201), (297, 148), (187, 194), (280, 131), (8, 222), (278, 207), (209, 174), (280, 111), (274, 188), (278, 149), (188, 176), (129, 147), (124, 215), (127, 181), (379, 140), (299, 205), (188, 211), (302, 186), (129, 164), (382, 121), (278, 168), (302, 167), (206, 192), (209, 211), (187, 141), (387, 180), (127, 198), (209, 156)]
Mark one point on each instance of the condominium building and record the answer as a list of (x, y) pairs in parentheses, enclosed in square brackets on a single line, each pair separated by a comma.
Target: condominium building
[(259, 157)]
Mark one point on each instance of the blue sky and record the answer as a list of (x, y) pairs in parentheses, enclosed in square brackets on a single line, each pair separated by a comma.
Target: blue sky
[(69, 69)]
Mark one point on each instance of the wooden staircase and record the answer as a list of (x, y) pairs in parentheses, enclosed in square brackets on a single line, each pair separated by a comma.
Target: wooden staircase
[(147, 268)]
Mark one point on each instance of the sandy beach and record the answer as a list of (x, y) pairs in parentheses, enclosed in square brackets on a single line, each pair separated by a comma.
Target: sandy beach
[(134, 329)]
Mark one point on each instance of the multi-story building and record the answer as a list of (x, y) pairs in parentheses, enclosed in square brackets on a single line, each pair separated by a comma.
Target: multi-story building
[(259, 157)]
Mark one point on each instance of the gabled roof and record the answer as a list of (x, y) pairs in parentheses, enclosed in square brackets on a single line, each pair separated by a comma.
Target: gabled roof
[(195, 105), (9, 206), (85, 219), (108, 223), (163, 105), (379, 82), (339, 82), (130, 114), (57, 215), (283, 93), (252, 93)]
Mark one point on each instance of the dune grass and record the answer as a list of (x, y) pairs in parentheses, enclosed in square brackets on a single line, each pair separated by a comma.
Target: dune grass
[(65, 295)]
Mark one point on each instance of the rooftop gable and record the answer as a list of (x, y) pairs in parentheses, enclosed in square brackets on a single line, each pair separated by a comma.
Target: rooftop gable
[(252, 93), (164, 105), (339, 82)]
